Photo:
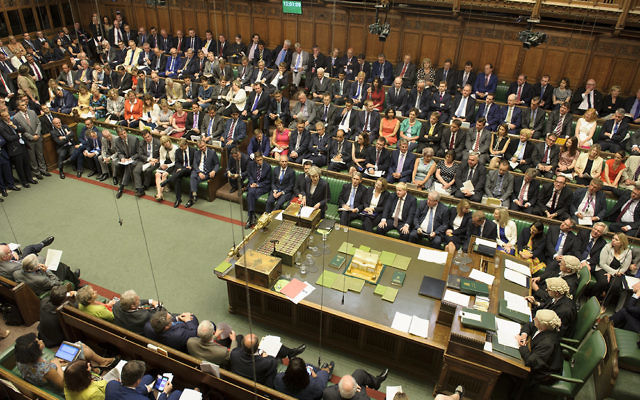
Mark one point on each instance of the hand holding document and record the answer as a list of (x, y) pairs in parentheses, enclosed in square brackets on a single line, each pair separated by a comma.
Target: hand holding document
[(53, 259), (467, 185)]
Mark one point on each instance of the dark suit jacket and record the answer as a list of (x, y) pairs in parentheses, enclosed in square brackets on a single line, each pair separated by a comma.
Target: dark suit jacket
[(461, 232), (263, 146), (547, 96), (321, 195), (64, 104), (516, 117), (396, 102), (288, 180), (407, 167), (199, 125), (433, 141), (333, 393), (320, 88), (346, 151), (383, 161), (538, 243), (180, 161), (304, 142), (300, 186), (131, 151), (240, 130), (409, 78), (10, 135), (266, 57), (488, 231), (265, 176), (452, 77), (481, 86), (363, 91), (261, 106), (552, 122), (364, 67), (408, 210), (538, 122), (525, 95), (232, 166), (423, 106), (159, 63), (386, 68), (443, 105), (582, 242), (470, 80), (440, 217), (358, 199), (156, 89), (478, 178), (285, 112), (458, 143), (612, 215), (623, 128), (374, 123), (265, 367), (10, 85), (532, 192), (529, 152), (176, 336), (552, 157), (267, 75), (211, 163), (576, 99), (332, 115), (382, 202), (469, 109), (335, 89), (493, 116), (545, 356), (600, 202), (552, 238), (562, 204)]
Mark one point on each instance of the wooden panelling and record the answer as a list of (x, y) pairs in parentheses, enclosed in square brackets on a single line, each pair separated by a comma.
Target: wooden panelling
[(339, 36), (275, 32), (411, 46), (430, 48), (623, 73), (244, 27), (356, 38), (162, 14), (531, 66), (506, 67), (323, 36), (574, 68), (472, 51), (600, 68), (447, 49), (552, 63), (290, 29)]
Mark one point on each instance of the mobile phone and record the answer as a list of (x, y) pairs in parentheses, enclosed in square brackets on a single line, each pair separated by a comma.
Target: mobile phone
[(162, 381), (309, 369)]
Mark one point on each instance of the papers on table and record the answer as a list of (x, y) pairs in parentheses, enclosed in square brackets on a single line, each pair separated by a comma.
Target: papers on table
[(517, 303), (467, 185), (456, 298), (413, 325), (484, 242), (481, 276), (488, 346), (270, 345), (391, 391), (471, 316), (585, 221), (278, 216), (305, 212), (431, 255), (515, 277), (507, 332), (190, 394), (53, 259), (297, 290), (518, 267)]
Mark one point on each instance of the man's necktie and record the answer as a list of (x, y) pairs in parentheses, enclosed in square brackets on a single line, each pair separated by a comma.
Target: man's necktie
[(470, 176), (259, 173), (588, 202), (404, 70), (509, 115), (281, 175), (624, 210), (559, 242), (255, 102), (546, 154), (210, 127), (185, 156), (523, 190), (366, 120), (430, 220), (400, 163), (614, 130), (519, 93), (533, 118), (486, 81), (558, 128), (358, 91), (195, 120), (352, 196), (586, 252), (554, 199), (396, 215), (452, 141), (486, 110), (589, 99), (476, 146), (324, 114), (231, 129), (377, 157), (344, 118), (417, 101), (444, 75)]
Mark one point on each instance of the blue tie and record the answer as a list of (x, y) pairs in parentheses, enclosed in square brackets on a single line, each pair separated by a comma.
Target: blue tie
[(560, 237), (281, 175), (430, 223), (352, 196)]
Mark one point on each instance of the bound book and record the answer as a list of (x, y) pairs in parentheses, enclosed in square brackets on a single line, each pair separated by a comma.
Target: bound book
[(473, 287), (398, 278), (454, 281), (432, 287), (338, 261), (480, 320), (509, 351), (511, 314)]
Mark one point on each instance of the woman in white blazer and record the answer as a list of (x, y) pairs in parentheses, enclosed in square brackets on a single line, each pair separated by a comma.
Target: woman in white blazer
[(507, 232), (615, 259), (167, 163), (236, 96)]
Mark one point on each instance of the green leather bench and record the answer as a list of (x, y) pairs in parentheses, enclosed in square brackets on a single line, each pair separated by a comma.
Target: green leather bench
[(629, 353), (9, 371), (501, 92)]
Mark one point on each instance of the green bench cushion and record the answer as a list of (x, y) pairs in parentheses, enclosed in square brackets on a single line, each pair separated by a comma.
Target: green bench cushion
[(629, 353), (626, 386)]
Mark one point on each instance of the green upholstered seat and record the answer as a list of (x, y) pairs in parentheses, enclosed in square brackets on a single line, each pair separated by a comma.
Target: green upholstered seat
[(626, 386), (501, 92), (584, 276), (629, 353), (587, 316)]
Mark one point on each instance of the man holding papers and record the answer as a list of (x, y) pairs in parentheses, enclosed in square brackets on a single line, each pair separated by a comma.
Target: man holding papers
[(589, 204), (480, 227), (560, 241), (543, 353), (430, 222), (40, 278)]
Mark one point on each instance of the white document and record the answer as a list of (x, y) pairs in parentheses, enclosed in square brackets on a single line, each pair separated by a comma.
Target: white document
[(127, 162), (515, 277), (377, 174), (518, 267), (467, 185), (270, 345), (210, 368), (278, 217), (190, 394), (471, 316), (53, 259), (303, 293), (488, 346), (305, 212), (419, 327), (437, 186), (431, 255), (485, 242), (391, 391), (513, 164), (585, 221), (114, 373), (146, 166), (631, 280), (216, 143), (13, 246), (456, 298), (517, 303), (507, 332), (401, 322), (481, 276)]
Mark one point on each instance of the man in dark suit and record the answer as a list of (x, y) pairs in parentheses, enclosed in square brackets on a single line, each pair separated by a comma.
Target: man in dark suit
[(447, 74), (628, 317), (194, 122), (525, 192), (632, 107), (399, 213), (490, 112), (235, 171), (520, 153), (361, 66), (351, 199), (235, 129), (486, 82), (359, 90), (257, 103), (546, 156), (480, 227), (554, 200), (499, 184), (159, 61), (193, 41), (282, 53), (262, 54), (299, 143), (463, 106), (259, 184), (354, 386), (452, 139), (282, 182), (115, 35), (441, 102), (91, 154), (245, 71), (334, 63), (128, 152), (171, 331), (149, 157), (318, 146), (402, 163), (511, 115), (63, 102), (212, 125), (420, 99), (183, 167), (188, 65), (585, 98), (534, 118), (396, 96), (278, 109), (625, 215), (589, 202), (319, 84), (466, 77), (431, 133), (348, 119), (173, 63), (382, 69), (473, 172), (134, 384), (378, 158), (559, 122), (349, 61), (340, 89), (430, 222), (522, 89), (544, 91), (613, 132), (560, 241), (339, 154), (477, 140), (406, 70), (204, 167), (327, 113), (589, 244), (368, 121), (156, 87)]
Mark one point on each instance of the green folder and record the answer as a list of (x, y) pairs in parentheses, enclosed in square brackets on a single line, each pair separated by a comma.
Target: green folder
[(337, 261), (398, 278), (340, 283), (386, 258), (390, 294), (487, 320), (222, 267), (512, 315), (510, 351), (347, 248), (379, 290), (326, 279), (473, 287), (355, 284), (365, 248), (401, 262)]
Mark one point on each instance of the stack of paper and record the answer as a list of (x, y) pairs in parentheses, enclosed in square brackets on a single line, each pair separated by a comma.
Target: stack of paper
[(305, 212), (190, 394), (434, 256), (390, 294), (482, 303), (297, 290), (401, 262), (517, 303), (518, 267), (481, 276), (485, 242), (515, 277), (507, 332), (456, 298), (391, 391), (413, 325), (270, 345)]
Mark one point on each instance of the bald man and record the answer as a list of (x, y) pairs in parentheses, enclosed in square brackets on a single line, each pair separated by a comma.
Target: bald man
[(354, 386)]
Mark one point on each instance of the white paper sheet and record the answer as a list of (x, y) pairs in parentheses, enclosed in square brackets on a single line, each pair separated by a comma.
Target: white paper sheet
[(456, 298), (518, 267), (513, 164), (481, 276), (488, 346), (210, 368), (114, 373), (631, 280), (190, 394), (391, 391), (270, 345), (517, 303), (507, 332), (401, 322), (489, 243), (586, 221), (467, 185), (419, 327), (515, 277), (471, 316), (434, 256), (13, 246), (303, 293), (305, 212), (53, 259), (126, 162)]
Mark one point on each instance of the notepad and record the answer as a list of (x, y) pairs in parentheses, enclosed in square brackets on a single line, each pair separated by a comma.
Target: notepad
[(347, 248), (365, 248), (379, 290), (390, 294), (339, 283), (223, 267), (481, 276), (355, 284), (401, 262), (456, 298), (434, 256), (326, 279), (515, 277), (387, 258)]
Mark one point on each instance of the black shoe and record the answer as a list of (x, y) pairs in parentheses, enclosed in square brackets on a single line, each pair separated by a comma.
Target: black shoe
[(48, 241), (77, 273), (380, 378), (26, 185), (115, 180), (92, 173), (177, 203), (460, 391), (139, 192), (38, 176), (103, 177), (46, 173), (120, 191), (330, 366), (233, 190), (62, 175), (189, 203), (33, 182), (297, 351), (79, 174), (4, 193), (14, 188), (164, 183)]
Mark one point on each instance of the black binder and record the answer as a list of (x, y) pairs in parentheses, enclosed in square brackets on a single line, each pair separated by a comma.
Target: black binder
[(432, 287)]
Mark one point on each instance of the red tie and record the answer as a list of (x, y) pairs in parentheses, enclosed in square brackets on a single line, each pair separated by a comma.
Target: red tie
[(452, 142), (486, 81), (404, 70), (519, 93), (546, 154), (523, 190), (624, 210), (231, 129), (37, 71), (477, 145)]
